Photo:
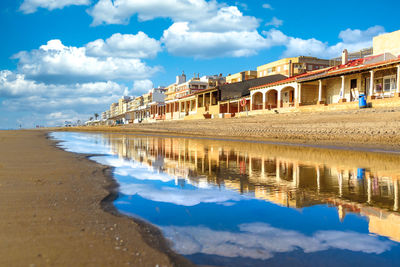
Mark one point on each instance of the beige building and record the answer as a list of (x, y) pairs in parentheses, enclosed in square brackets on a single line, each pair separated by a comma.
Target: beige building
[(292, 66), (181, 100), (338, 87), (123, 104), (241, 76), (387, 43)]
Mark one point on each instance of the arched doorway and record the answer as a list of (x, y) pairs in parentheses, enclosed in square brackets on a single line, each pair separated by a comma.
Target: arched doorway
[(257, 101), (272, 99), (287, 97)]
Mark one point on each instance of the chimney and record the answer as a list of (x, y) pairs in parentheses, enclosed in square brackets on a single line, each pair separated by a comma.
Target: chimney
[(243, 76), (345, 57)]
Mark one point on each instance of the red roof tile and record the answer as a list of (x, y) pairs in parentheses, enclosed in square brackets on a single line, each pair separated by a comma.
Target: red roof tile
[(353, 65)]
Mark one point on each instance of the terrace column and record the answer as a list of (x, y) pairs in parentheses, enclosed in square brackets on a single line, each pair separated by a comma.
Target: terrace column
[(278, 104), (251, 100), (371, 85), (299, 94), (263, 100), (342, 99), (320, 92), (398, 81)]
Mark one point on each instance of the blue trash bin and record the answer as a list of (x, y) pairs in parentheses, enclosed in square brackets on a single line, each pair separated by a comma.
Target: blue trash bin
[(360, 173), (362, 101)]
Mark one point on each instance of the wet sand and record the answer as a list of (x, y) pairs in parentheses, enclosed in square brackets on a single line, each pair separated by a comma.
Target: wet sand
[(56, 210), (366, 129)]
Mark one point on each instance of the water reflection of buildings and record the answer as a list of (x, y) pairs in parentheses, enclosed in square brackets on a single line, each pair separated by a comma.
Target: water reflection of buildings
[(354, 182)]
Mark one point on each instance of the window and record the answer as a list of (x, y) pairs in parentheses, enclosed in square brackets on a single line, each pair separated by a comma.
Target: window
[(389, 83), (269, 70), (265, 73), (261, 74), (279, 69), (309, 67), (386, 84), (378, 85), (286, 67)]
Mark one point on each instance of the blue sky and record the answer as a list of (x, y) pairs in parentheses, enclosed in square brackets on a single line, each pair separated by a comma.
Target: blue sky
[(67, 59)]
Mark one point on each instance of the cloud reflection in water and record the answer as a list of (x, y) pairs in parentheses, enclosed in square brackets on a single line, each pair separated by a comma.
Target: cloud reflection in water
[(261, 241)]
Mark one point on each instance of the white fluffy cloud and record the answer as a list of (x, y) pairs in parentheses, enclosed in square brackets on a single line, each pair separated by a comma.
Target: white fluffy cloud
[(202, 15), (59, 82), (125, 46), (31, 6), (355, 36), (56, 103), (56, 63), (275, 22), (200, 28), (35, 95), (120, 11), (352, 40), (142, 86), (180, 40), (226, 19)]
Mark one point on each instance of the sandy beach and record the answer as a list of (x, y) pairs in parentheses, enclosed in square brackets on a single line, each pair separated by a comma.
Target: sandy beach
[(57, 206), (56, 211), (363, 129)]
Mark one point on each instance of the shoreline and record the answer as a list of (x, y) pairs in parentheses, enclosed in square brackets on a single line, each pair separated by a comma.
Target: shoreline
[(360, 148), (68, 216), (372, 130)]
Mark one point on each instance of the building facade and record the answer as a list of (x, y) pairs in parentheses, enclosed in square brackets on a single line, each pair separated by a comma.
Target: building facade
[(292, 66)]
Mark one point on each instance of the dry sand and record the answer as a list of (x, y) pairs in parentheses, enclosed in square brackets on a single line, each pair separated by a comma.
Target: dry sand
[(366, 128), (55, 211)]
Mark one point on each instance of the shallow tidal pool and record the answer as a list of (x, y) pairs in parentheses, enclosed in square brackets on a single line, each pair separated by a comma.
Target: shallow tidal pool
[(226, 203)]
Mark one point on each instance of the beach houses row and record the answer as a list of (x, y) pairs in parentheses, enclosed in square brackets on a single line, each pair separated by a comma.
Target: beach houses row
[(291, 84)]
